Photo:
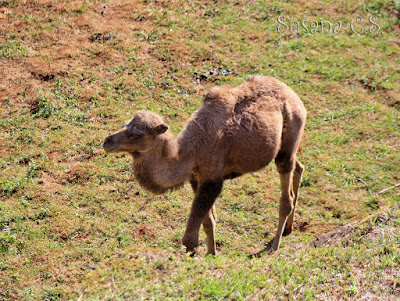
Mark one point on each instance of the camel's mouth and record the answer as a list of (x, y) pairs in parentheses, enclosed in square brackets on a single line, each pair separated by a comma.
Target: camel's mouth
[(110, 149), (135, 155)]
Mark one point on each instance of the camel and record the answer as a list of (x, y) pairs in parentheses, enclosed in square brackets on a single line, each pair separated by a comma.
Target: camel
[(236, 131)]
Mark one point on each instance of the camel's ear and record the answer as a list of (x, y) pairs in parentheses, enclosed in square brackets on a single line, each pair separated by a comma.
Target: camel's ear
[(159, 129), (211, 95)]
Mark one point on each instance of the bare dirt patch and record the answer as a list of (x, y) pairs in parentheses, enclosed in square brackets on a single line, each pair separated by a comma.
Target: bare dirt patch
[(143, 232), (340, 234)]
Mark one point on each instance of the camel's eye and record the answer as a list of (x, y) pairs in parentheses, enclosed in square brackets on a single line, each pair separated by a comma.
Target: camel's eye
[(134, 133), (134, 136)]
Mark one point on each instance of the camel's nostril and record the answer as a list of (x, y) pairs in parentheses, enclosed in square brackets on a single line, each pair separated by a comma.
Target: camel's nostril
[(107, 141)]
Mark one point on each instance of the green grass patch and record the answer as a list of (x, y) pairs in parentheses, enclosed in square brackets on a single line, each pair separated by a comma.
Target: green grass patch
[(12, 49)]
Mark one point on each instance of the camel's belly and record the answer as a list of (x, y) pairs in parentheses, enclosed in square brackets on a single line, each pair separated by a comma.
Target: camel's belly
[(252, 155)]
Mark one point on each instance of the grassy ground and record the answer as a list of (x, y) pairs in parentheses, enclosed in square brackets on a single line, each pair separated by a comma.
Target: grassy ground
[(73, 221)]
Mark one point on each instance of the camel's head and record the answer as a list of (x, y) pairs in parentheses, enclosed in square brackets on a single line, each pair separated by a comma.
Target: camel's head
[(138, 135)]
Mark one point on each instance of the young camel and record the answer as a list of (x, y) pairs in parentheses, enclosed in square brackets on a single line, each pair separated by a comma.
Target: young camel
[(236, 131)]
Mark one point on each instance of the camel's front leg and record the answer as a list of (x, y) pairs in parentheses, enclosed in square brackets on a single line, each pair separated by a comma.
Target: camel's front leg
[(206, 194), (209, 228)]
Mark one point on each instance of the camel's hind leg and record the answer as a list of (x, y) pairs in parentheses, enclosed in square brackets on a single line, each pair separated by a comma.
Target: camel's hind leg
[(290, 171), (285, 207), (297, 174)]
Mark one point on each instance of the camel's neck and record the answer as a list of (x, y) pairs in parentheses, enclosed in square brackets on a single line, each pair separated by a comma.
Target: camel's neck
[(159, 171)]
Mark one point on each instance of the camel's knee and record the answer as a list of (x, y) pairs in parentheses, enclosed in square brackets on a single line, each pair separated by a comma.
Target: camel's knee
[(210, 220), (208, 225)]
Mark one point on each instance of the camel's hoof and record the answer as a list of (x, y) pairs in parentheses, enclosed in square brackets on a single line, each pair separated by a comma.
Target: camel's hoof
[(190, 242), (256, 255), (194, 253)]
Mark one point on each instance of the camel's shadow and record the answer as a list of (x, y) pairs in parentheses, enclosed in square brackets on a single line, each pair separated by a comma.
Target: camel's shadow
[(259, 254)]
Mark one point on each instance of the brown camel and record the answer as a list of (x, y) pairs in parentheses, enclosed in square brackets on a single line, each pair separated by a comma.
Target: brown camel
[(236, 131)]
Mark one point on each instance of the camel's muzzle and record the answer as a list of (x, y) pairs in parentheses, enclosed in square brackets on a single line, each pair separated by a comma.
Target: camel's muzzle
[(108, 145)]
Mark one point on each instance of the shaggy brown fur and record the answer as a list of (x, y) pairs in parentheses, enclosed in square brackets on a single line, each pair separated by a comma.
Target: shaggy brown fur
[(236, 131)]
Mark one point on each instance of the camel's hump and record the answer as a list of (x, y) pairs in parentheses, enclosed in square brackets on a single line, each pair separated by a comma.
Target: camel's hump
[(252, 89)]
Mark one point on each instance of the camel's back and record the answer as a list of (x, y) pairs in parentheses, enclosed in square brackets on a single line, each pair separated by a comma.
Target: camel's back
[(259, 100), (256, 89)]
